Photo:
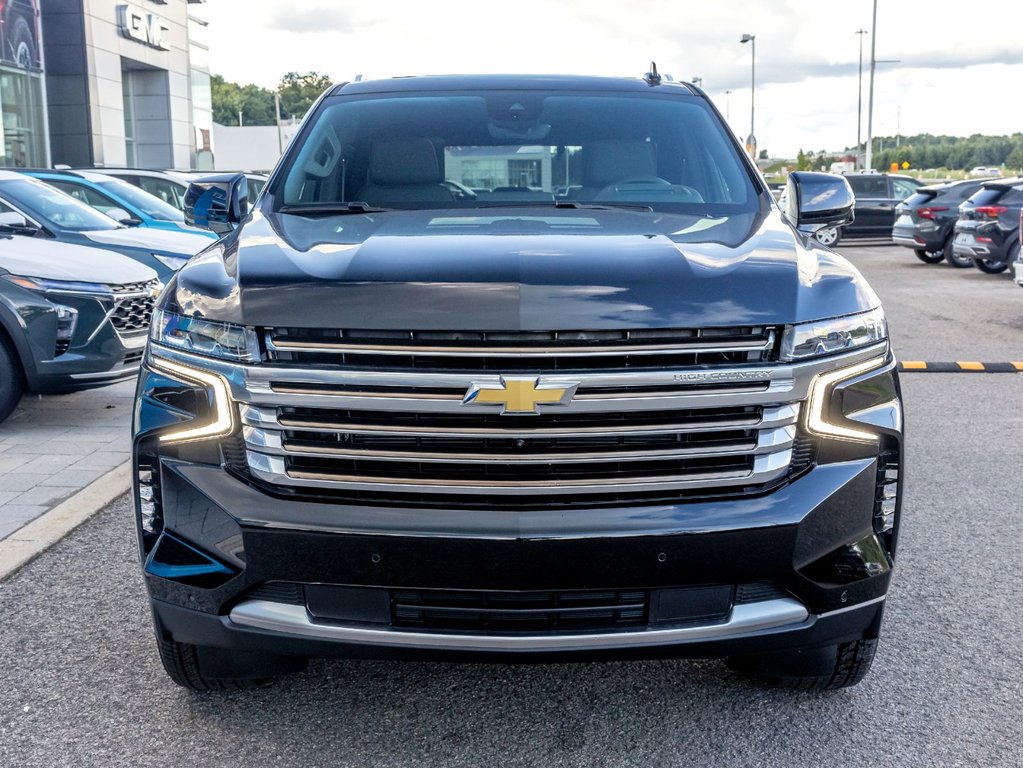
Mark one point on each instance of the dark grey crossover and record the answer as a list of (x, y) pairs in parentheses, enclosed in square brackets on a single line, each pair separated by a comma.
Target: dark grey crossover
[(925, 221), (71, 317), (645, 416)]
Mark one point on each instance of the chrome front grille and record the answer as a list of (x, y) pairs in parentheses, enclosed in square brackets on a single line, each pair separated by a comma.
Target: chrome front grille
[(133, 307), (390, 420)]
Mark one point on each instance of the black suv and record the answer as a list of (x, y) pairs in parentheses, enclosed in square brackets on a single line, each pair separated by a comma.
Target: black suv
[(647, 418), (927, 218), (877, 195), (987, 232)]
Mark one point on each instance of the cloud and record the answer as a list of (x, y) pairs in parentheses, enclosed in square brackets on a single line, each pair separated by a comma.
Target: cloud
[(329, 20)]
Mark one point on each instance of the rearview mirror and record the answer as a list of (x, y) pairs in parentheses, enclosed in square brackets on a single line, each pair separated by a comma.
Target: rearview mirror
[(217, 203), (812, 201), (13, 222), (121, 216)]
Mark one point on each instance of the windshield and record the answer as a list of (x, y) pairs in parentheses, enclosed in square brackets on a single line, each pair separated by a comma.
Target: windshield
[(142, 200), (507, 148), (53, 207)]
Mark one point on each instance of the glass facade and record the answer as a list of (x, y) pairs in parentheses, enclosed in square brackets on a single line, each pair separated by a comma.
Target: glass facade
[(22, 126)]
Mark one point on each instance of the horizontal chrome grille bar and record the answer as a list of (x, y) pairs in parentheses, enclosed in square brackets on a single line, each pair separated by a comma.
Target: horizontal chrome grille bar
[(274, 469), (271, 442), (267, 418)]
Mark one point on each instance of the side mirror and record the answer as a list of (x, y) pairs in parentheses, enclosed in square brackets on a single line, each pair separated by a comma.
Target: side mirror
[(121, 216), (813, 201), (217, 203), (14, 223)]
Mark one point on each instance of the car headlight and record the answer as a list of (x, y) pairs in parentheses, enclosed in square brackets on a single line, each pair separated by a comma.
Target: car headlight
[(42, 285), (225, 341), (171, 262), (839, 334)]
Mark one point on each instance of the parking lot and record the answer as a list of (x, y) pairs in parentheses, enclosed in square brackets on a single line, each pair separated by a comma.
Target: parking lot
[(83, 684)]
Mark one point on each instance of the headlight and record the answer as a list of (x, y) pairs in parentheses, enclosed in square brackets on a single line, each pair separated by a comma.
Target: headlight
[(42, 285), (172, 262), (198, 335), (221, 421), (839, 334)]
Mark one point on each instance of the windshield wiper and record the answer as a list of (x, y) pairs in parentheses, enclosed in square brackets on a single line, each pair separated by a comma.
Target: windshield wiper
[(332, 209), (603, 206), (571, 204)]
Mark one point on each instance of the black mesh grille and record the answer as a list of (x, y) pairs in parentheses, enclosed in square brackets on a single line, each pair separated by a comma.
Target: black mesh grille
[(519, 611), (554, 351)]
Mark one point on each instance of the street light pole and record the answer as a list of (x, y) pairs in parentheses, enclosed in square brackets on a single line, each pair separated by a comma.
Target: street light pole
[(698, 82), (728, 105), (751, 141), (870, 100), (859, 94)]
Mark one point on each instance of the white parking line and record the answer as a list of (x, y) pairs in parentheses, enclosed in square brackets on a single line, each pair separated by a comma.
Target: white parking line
[(36, 537)]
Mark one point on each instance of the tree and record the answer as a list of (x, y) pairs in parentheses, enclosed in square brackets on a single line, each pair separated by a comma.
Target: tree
[(298, 92), (255, 104), (763, 154), (804, 162)]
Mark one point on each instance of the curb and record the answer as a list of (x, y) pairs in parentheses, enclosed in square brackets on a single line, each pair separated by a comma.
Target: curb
[(31, 540), (961, 366)]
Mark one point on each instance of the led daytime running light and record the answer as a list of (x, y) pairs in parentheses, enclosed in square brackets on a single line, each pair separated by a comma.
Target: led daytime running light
[(223, 421), (817, 401)]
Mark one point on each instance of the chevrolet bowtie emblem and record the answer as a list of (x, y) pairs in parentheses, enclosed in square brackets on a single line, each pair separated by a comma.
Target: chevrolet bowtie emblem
[(520, 395)]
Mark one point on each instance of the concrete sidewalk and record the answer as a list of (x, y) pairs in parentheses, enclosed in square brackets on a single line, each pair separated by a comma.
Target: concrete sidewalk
[(52, 446)]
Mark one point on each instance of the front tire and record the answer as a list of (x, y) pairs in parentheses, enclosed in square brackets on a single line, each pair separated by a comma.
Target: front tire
[(202, 668), (826, 669), (927, 257), (12, 380), (828, 236)]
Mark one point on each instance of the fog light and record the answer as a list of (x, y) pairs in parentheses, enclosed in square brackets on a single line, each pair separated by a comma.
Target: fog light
[(149, 510), (886, 501), (67, 319)]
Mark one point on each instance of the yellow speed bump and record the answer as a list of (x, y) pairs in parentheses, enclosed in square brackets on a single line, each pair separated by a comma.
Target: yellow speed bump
[(970, 366), (914, 365)]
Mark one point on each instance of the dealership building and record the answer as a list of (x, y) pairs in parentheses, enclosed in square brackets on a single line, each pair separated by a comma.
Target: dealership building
[(105, 83)]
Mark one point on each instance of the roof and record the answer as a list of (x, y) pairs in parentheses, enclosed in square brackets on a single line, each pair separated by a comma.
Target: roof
[(507, 82)]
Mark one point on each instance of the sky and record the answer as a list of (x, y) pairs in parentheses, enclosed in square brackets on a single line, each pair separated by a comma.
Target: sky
[(957, 73)]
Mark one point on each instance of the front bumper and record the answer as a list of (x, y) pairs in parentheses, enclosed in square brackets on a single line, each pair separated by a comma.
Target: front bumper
[(227, 549)]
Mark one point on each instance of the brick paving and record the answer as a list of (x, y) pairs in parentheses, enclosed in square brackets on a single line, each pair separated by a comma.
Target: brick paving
[(54, 445)]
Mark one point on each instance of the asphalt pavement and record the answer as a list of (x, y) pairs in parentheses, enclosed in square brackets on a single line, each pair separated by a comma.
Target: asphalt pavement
[(82, 684)]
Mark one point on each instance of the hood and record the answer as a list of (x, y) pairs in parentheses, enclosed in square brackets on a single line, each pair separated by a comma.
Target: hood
[(518, 269), (53, 260), (163, 240)]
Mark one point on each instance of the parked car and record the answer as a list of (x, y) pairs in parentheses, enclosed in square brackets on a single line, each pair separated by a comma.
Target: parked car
[(987, 231), (121, 201), (926, 219), (381, 420), (45, 211), (1018, 264), (71, 317), (164, 186), (982, 172), (877, 194)]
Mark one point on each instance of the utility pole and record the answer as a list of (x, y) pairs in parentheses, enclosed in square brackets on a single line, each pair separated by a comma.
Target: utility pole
[(859, 94), (277, 111), (240, 123), (870, 101), (751, 142), (728, 105)]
